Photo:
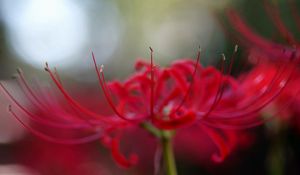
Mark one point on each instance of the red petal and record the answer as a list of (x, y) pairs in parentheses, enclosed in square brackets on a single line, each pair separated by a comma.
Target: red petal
[(224, 141), (119, 157)]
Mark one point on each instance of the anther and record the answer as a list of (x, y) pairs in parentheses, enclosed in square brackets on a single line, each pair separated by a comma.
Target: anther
[(101, 68), (223, 56), (19, 70), (151, 49), (236, 48), (47, 67)]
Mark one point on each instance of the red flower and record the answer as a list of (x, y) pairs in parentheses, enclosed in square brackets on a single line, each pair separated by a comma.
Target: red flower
[(264, 49), (287, 103), (153, 98), (281, 51)]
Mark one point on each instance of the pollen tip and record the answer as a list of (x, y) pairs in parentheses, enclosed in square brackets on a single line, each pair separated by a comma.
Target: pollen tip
[(236, 48), (101, 68), (200, 49), (46, 69), (223, 56), (19, 70), (151, 49)]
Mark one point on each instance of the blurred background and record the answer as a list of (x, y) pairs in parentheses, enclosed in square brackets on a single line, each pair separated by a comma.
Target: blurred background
[(65, 32)]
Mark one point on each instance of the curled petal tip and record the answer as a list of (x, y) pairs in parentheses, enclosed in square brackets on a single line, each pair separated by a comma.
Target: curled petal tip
[(217, 158)]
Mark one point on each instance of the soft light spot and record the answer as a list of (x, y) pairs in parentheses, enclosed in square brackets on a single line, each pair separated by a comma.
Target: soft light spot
[(258, 79), (15, 169), (45, 30)]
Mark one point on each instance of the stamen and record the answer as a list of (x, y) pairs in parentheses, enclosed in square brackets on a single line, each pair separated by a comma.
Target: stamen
[(74, 108), (191, 84), (29, 89), (74, 103), (265, 102), (259, 98), (274, 14), (293, 7), (236, 48), (46, 67), (57, 75), (252, 37), (232, 59), (249, 123), (219, 93), (41, 135), (151, 85), (222, 79), (103, 86), (229, 69), (223, 57), (101, 68), (38, 119), (110, 101)]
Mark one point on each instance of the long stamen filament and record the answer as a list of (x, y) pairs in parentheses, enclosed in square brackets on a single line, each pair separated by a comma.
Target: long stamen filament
[(152, 84), (39, 134), (219, 91), (191, 84), (104, 87)]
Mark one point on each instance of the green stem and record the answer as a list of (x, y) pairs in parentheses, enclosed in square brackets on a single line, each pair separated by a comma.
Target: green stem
[(150, 128), (166, 143), (277, 153), (276, 162), (168, 153)]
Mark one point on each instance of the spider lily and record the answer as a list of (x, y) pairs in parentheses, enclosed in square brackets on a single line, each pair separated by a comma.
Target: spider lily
[(274, 50), (159, 100), (270, 51), (288, 100)]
